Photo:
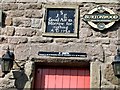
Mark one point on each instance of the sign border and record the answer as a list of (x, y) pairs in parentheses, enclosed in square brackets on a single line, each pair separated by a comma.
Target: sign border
[(75, 34), (100, 9)]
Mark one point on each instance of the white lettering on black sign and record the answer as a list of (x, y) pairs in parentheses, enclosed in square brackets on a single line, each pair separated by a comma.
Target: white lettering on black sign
[(60, 20)]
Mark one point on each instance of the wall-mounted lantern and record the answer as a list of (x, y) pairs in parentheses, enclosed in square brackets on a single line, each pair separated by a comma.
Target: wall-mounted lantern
[(116, 64), (7, 61)]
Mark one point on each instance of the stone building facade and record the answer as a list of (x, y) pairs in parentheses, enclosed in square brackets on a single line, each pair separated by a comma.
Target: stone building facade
[(22, 28)]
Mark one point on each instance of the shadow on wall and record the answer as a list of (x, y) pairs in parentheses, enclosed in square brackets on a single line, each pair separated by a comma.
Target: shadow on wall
[(3, 19), (115, 27), (20, 79)]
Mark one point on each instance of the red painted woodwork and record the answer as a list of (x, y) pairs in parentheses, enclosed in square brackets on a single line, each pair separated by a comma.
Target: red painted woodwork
[(62, 78)]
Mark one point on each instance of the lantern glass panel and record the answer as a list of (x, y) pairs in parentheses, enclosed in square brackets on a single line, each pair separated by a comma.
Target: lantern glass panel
[(6, 65), (117, 68)]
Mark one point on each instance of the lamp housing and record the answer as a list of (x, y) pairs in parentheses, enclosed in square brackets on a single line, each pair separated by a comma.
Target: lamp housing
[(7, 61)]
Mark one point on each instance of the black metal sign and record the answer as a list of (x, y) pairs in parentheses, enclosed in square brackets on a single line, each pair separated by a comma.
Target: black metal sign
[(101, 18), (62, 54), (61, 21)]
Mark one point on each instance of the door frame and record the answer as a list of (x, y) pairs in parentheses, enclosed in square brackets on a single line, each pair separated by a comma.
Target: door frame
[(58, 62)]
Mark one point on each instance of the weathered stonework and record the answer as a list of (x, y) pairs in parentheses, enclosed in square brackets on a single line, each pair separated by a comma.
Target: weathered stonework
[(25, 32), (22, 31), (95, 75), (109, 75), (8, 31)]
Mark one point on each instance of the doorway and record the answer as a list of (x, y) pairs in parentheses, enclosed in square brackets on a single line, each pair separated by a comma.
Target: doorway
[(60, 78)]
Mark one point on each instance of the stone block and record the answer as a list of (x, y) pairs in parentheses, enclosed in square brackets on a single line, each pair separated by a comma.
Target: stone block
[(107, 1), (22, 22), (9, 31), (91, 40), (105, 41), (37, 39), (85, 32), (9, 6), (8, 21), (17, 40), (8, 1), (27, 1), (36, 23), (64, 40), (28, 72), (29, 6), (22, 52), (34, 13), (36, 47), (16, 13), (96, 51), (38, 32), (95, 75), (42, 1), (93, 52), (112, 34), (110, 50), (25, 32), (115, 41), (109, 75), (109, 87)]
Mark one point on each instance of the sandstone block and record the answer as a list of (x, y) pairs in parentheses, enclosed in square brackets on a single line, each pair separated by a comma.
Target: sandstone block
[(110, 50), (29, 6), (109, 75), (16, 13), (8, 21), (44, 1), (85, 32), (30, 1), (113, 34), (8, 1), (9, 31), (38, 32), (22, 52), (9, 6), (36, 23), (25, 32), (17, 40), (105, 41), (34, 13), (64, 40), (28, 72), (37, 39), (22, 22), (96, 52), (95, 75)]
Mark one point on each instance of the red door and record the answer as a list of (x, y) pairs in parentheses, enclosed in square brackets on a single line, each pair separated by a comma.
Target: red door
[(62, 78)]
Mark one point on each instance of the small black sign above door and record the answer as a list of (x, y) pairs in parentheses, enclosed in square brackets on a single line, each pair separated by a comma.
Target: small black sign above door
[(61, 21), (62, 54)]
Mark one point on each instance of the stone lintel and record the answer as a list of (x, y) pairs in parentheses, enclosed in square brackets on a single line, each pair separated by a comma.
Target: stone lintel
[(81, 62)]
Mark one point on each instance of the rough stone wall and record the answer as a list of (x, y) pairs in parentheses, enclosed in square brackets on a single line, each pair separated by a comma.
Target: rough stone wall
[(22, 32)]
